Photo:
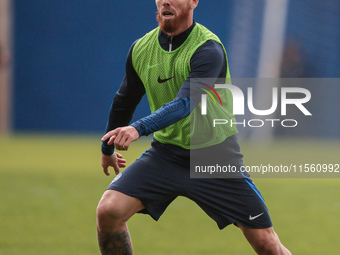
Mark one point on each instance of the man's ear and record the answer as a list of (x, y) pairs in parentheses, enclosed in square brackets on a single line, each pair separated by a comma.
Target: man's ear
[(194, 3)]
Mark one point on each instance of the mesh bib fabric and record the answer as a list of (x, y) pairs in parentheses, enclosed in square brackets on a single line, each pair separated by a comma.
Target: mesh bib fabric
[(163, 73)]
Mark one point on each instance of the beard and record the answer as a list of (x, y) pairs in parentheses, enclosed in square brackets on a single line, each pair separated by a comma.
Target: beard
[(170, 26)]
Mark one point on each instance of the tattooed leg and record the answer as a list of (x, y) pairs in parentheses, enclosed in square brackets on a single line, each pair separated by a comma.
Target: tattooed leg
[(113, 211), (117, 243)]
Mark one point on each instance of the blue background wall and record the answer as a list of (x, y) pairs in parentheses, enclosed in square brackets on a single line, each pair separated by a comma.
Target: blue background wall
[(70, 58), (70, 55)]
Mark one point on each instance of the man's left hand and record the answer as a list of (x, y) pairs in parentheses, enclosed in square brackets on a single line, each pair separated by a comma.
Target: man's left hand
[(121, 137)]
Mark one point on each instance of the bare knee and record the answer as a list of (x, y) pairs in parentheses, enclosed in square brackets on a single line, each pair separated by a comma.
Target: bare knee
[(265, 241), (115, 208), (110, 210), (271, 244), (268, 244)]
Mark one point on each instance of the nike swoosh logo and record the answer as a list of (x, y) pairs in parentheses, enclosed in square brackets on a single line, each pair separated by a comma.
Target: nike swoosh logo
[(254, 217), (164, 80), (152, 66)]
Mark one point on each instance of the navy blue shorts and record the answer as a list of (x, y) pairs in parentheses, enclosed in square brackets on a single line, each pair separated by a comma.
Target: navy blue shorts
[(156, 178)]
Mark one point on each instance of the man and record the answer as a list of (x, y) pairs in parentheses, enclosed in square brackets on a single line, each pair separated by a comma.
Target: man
[(161, 65)]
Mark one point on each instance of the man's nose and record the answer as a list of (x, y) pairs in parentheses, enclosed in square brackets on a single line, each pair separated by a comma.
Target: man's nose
[(166, 2)]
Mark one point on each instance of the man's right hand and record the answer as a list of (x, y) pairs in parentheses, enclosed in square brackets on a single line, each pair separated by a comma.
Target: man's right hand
[(115, 160)]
